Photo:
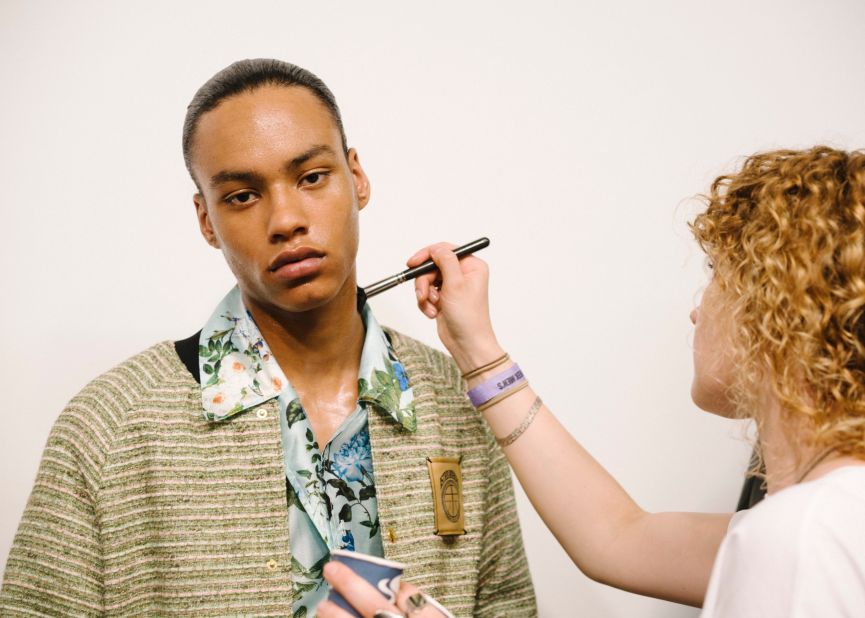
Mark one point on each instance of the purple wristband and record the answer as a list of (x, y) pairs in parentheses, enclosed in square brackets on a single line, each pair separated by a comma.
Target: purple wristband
[(496, 385)]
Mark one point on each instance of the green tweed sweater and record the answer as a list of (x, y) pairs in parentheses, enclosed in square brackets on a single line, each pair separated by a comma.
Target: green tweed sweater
[(142, 507)]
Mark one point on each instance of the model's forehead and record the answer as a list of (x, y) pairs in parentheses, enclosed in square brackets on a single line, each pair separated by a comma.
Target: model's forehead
[(284, 118), (269, 102)]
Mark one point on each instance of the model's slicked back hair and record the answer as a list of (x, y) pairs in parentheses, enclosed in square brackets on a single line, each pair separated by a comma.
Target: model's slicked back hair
[(245, 76)]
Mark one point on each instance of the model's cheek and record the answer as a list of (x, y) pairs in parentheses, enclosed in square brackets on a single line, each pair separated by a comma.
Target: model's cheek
[(241, 264), (351, 237), (233, 264)]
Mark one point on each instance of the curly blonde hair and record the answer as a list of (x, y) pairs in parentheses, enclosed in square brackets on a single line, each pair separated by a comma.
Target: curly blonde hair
[(786, 237)]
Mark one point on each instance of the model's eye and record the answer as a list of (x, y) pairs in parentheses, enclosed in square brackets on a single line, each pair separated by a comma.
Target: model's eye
[(243, 198), (314, 178)]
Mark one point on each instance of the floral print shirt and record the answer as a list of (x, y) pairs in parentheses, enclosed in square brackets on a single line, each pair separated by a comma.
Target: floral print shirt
[(331, 490)]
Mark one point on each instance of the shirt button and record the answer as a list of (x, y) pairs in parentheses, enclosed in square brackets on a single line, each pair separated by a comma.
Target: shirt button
[(272, 564), (261, 413)]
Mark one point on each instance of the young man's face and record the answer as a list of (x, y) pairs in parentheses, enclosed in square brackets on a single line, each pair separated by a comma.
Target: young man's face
[(279, 197)]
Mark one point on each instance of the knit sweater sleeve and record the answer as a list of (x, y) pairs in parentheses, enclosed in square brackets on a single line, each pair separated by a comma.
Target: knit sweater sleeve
[(55, 563)]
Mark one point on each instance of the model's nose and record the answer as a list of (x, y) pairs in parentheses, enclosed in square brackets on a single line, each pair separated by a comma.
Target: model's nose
[(287, 216)]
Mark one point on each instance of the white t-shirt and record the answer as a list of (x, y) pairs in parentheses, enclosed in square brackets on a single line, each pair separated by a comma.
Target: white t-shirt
[(798, 554)]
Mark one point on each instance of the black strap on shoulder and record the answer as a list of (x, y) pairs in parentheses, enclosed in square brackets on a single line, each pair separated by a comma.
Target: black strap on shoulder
[(753, 491), (187, 350)]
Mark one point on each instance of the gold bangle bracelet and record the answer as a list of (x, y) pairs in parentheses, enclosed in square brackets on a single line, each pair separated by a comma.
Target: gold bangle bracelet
[(516, 433), (501, 360)]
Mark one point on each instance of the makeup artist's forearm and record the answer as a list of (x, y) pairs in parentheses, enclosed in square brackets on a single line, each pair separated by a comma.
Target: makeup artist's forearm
[(607, 535)]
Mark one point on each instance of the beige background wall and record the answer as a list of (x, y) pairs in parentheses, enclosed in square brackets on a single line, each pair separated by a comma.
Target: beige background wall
[(571, 134)]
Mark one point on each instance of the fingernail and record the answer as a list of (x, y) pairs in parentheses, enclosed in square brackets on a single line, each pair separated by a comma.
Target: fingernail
[(430, 313), (331, 569), (418, 293)]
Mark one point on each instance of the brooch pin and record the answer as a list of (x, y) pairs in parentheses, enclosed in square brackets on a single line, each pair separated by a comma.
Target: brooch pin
[(446, 479)]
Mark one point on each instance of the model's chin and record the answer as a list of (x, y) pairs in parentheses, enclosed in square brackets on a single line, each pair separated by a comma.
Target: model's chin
[(304, 294)]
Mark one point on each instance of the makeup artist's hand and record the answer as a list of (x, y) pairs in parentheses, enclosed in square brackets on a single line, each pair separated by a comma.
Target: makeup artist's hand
[(457, 298), (370, 603)]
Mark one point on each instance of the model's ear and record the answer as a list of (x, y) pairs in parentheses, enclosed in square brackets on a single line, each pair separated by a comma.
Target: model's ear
[(204, 223), (361, 182)]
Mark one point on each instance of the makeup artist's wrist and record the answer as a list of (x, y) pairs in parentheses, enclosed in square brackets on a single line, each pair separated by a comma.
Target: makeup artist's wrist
[(470, 357)]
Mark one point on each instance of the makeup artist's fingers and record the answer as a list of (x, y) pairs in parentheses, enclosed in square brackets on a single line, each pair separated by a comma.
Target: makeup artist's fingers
[(418, 258), (429, 310), (454, 270), (437, 253), (424, 254), (428, 296), (448, 265), (422, 288), (449, 276), (424, 282), (460, 305), (455, 295)]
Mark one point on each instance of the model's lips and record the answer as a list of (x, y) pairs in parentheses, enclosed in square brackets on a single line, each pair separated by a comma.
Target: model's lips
[(296, 263)]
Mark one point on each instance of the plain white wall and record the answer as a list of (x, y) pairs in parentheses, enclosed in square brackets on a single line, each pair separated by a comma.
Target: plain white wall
[(570, 134)]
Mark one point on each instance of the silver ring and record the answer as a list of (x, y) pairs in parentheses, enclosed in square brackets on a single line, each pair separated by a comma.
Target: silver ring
[(415, 603)]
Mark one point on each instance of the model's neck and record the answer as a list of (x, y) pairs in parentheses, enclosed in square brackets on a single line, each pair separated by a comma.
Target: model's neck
[(325, 341)]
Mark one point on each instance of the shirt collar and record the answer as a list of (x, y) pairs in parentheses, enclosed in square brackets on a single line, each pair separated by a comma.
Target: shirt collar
[(238, 371)]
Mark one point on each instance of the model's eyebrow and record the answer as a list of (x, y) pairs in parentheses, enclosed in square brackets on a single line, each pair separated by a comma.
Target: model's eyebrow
[(253, 178), (231, 176), (302, 158)]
